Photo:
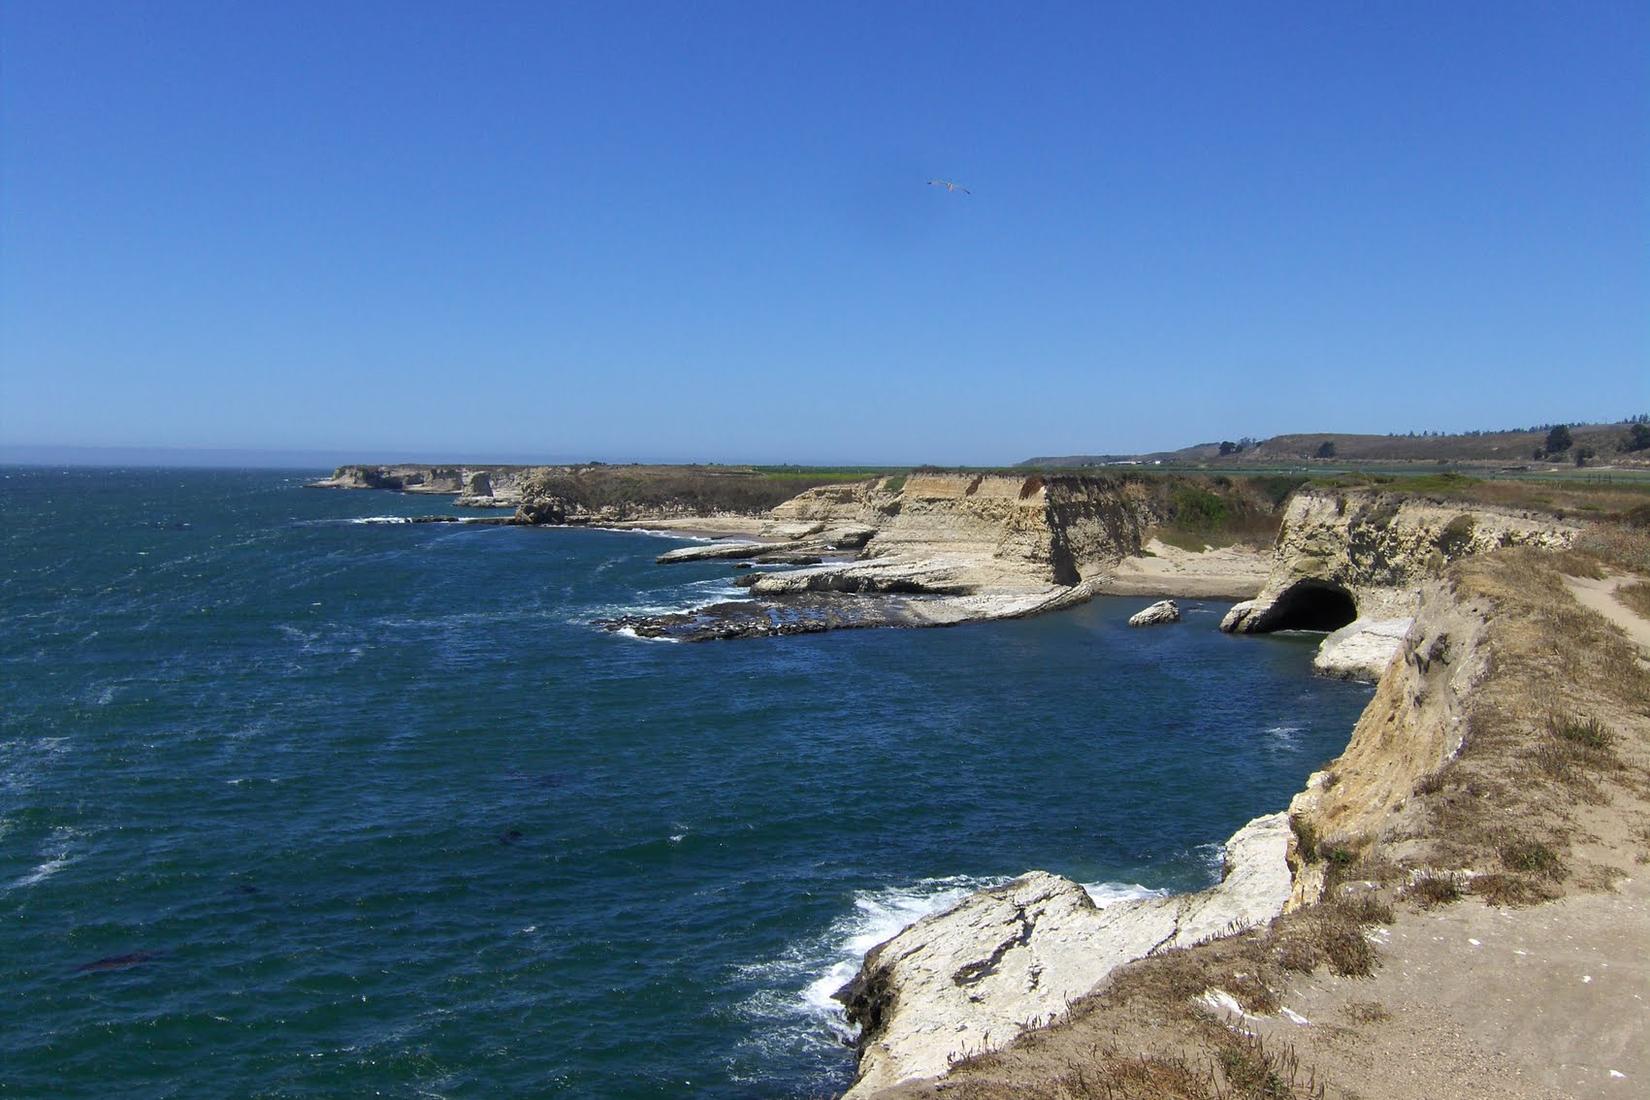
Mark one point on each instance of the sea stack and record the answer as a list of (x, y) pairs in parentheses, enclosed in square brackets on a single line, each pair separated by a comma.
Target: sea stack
[(1163, 611)]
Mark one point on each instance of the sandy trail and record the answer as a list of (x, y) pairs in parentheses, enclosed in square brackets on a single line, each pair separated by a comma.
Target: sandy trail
[(1549, 1001), (1600, 596)]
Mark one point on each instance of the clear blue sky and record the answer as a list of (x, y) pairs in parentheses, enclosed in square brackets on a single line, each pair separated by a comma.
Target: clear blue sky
[(701, 230)]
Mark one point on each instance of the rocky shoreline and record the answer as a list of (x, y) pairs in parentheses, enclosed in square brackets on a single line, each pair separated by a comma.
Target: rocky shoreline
[(1361, 566), (925, 549), (1006, 961)]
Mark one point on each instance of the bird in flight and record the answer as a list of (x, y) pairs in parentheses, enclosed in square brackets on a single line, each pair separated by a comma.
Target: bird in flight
[(949, 186)]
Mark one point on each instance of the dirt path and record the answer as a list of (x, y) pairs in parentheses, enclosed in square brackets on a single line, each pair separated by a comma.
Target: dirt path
[(1600, 596), (1549, 1001)]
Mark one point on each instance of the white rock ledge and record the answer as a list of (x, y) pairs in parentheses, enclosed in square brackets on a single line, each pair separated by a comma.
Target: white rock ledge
[(1362, 649), (974, 975)]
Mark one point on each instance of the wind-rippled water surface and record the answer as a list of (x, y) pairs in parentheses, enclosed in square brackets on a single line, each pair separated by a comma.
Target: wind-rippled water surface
[(293, 805)]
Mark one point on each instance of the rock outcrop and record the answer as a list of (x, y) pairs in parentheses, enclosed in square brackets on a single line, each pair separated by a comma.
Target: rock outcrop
[(1352, 563), (975, 976), (1163, 611), (1342, 555), (927, 549), (1411, 728)]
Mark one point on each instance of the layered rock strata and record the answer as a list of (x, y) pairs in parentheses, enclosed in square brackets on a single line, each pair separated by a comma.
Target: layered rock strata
[(1410, 729), (923, 550)]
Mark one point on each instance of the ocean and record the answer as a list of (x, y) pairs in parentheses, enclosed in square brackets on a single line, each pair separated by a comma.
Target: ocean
[(297, 800)]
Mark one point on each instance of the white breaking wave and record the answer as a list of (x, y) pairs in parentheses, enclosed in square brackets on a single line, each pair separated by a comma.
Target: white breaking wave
[(878, 915), (629, 632), (58, 844), (695, 596), (382, 519), (652, 533), (1282, 738), (720, 590)]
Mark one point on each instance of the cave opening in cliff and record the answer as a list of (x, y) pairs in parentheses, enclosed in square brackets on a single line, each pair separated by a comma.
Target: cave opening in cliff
[(1310, 605)]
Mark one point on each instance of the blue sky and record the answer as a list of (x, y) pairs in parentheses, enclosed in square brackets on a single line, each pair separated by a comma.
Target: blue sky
[(701, 231)]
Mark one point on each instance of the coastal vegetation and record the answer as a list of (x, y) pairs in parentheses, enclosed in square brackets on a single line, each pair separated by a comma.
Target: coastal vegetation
[(1510, 451)]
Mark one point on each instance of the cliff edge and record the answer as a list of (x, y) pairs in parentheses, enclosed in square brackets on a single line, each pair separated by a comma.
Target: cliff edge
[(1466, 903)]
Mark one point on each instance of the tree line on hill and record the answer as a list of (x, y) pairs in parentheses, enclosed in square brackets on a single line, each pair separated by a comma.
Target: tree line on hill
[(1558, 446)]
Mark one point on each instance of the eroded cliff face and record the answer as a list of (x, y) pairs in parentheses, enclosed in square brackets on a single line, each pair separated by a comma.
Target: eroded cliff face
[(928, 549), (1413, 726), (1365, 554), (1054, 531), (1354, 563)]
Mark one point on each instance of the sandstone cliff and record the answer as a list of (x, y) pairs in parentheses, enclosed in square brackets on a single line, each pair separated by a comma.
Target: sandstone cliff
[(967, 532), (1057, 529), (1412, 727), (1354, 561)]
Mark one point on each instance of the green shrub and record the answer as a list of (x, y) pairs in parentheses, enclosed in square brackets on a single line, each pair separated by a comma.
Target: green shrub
[(1198, 509)]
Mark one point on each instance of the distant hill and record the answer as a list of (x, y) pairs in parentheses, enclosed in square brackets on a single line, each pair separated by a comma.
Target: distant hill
[(1610, 444)]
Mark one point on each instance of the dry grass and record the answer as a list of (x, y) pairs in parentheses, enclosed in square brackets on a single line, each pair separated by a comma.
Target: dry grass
[(1541, 736), (1636, 598), (1617, 504), (1624, 545), (1431, 891), (1237, 1067)]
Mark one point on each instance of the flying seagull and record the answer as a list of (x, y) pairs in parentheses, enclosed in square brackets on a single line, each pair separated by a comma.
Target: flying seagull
[(949, 186)]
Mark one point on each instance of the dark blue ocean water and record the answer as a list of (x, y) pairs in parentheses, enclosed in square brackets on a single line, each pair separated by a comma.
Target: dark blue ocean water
[(372, 809)]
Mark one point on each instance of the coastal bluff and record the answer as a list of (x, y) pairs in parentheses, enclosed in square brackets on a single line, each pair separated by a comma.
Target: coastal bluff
[(1353, 562), (489, 486), (929, 549)]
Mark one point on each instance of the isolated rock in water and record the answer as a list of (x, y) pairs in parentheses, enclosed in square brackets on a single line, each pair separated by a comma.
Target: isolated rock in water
[(1163, 611), (1362, 649)]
